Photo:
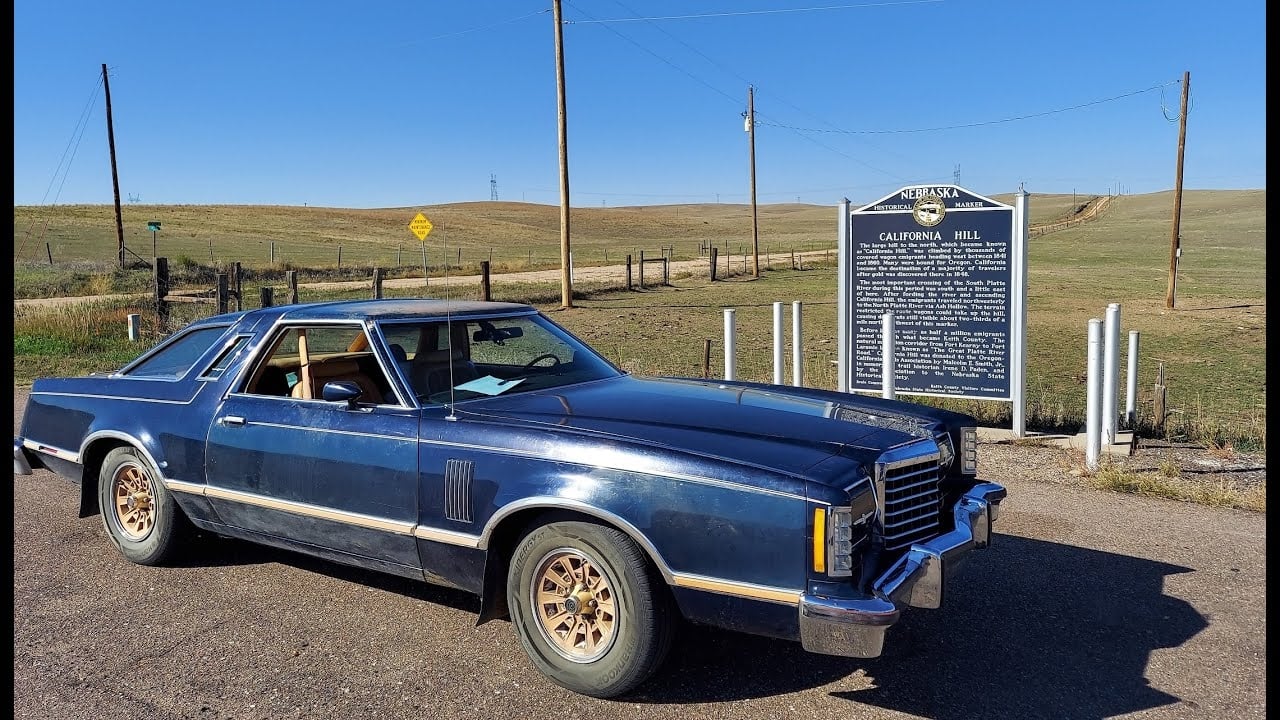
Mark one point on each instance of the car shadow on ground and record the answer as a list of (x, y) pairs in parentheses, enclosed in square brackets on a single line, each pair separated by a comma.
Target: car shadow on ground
[(213, 551), (1029, 629)]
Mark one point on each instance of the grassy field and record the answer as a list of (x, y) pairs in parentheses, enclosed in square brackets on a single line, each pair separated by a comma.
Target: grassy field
[(82, 241), (1213, 345)]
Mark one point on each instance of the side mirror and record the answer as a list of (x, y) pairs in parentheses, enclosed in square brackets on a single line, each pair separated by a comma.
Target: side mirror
[(341, 391)]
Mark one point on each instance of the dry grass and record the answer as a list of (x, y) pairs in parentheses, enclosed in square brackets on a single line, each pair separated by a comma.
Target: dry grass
[(1167, 483)]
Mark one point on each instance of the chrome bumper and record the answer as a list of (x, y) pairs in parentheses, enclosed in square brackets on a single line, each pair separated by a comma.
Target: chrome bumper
[(21, 466), (856, 627)]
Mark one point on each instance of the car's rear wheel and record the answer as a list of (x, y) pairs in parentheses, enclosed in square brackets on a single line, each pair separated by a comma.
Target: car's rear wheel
[(140, 515), (587, 608)]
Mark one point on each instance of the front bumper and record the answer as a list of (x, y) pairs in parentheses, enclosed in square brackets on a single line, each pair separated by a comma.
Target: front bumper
[(856, 627)]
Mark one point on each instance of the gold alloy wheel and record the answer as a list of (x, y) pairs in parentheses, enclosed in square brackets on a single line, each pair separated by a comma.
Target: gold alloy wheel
[(134, 500), (575, 605)]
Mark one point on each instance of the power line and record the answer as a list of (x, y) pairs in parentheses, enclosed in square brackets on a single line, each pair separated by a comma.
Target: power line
[(724, 94), (985, 122), (64, 163), (752, 12)]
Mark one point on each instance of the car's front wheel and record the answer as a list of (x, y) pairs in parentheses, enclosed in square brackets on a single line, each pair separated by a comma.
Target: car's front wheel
[(587, 607), (140, 515)]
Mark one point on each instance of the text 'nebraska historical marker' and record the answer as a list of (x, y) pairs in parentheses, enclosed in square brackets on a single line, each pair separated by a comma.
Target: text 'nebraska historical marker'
[(941, 259)]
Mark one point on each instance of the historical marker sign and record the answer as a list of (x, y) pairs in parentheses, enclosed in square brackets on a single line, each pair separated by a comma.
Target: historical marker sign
[(948, 264)]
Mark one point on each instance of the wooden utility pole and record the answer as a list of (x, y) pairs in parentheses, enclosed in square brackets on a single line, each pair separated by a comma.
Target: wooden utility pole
[(115, 179), (566, 277), (751, 133), (1175, 242)]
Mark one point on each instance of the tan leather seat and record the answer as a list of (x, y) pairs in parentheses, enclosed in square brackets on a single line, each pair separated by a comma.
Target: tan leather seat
[(438, 370), (330, 370)]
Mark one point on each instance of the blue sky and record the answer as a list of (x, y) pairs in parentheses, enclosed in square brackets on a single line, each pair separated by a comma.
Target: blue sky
[(393, 104)]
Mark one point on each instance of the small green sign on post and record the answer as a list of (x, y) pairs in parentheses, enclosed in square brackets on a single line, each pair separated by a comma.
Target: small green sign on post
[(154, 227)]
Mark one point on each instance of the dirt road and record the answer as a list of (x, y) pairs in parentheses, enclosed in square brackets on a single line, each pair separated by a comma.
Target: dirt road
[(1088, 605)]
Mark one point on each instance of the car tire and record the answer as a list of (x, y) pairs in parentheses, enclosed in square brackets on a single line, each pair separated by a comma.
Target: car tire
[(139, 513), (588, 608)]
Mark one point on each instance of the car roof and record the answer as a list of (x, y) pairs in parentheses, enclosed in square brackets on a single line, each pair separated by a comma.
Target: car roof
[(384, 309)]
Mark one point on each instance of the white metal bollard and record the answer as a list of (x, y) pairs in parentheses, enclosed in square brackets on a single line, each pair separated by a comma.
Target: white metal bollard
[(777, 343), (729, 341), (1093, 403), (887, 389), (797, 345), (1110, 372), (1131, 389), (135, 327)]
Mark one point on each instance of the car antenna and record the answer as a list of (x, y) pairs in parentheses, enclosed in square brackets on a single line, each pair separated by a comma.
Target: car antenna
[(448, 326)]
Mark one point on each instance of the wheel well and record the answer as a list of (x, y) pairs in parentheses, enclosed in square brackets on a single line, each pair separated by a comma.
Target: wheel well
[(91, 461), (509, 532)]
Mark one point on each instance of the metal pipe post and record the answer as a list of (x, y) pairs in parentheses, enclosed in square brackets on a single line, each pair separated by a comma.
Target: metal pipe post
[(777, 343), (887, 389), (729, 343), (1093, 397), (1110, 372), (1131, 390), (797, 345), (843, 305)]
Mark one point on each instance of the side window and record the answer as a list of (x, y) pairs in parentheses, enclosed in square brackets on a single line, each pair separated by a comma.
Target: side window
[(173, 359), (303, 359), (224, 360)]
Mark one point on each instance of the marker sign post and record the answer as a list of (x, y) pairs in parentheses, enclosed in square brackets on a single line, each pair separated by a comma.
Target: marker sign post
[(951, 267), (420, 226)]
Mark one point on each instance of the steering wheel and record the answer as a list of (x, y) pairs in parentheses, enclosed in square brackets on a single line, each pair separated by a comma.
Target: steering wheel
[(545, 356)]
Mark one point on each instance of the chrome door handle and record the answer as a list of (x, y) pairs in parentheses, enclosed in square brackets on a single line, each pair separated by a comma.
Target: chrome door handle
[(231, 420)]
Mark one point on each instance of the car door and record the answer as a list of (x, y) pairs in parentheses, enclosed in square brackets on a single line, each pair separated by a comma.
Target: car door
[(281, 462)]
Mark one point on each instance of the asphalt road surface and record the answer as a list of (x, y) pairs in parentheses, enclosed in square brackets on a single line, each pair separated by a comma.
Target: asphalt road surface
[(1088, 605)]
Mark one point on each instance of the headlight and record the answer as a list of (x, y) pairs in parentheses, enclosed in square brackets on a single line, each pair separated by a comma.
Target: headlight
[(837, 541), (969, 450)]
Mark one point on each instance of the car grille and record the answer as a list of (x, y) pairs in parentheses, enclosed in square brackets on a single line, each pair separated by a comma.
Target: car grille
[(910, 496)]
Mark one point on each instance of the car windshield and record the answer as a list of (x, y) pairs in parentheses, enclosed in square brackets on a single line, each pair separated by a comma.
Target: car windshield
[(446, 361)]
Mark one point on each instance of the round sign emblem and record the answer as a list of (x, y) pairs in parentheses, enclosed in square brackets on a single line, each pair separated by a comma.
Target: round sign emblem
[(929, 210)]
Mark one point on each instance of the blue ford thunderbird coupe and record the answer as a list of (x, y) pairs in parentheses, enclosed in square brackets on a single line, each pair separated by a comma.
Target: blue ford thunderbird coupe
[(482, 446)]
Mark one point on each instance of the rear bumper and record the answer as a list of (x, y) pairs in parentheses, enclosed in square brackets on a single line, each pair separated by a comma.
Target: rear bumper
[(856, 627), (21, 461)]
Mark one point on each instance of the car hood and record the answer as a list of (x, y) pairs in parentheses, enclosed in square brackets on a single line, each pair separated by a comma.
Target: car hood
[(765, 427)]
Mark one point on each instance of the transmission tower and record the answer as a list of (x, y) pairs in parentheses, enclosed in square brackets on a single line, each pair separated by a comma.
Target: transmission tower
[(493, 186)]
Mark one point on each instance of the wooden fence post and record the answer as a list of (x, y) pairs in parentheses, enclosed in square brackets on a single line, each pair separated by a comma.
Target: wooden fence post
[(486, 293), (377, 283), (235, 283), (291, 278), (265, 298), (162, 291), (628, 272), (271, 256), (49, 250), (1159, 406), (399, 249), (339, 257), (666, 271), (706, 358), (641, 269), (222, 292), (714, 261)]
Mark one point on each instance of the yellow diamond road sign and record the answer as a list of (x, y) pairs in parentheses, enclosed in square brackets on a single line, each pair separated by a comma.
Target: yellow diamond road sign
[(421, 226)]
